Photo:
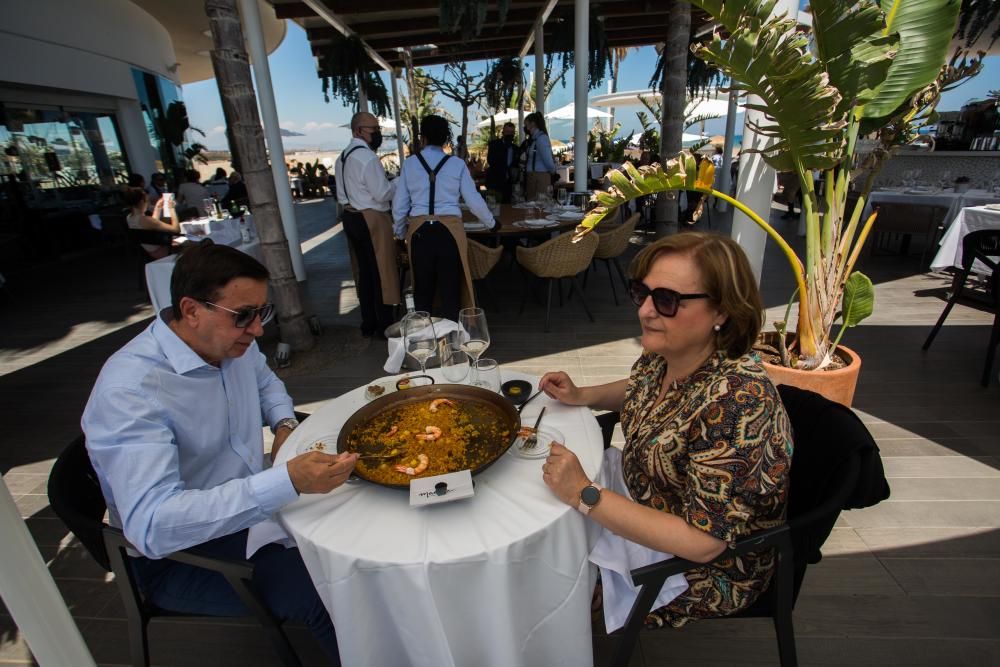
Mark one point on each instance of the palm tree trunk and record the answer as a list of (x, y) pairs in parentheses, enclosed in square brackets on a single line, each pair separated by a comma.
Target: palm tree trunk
[(232, 72), (614, 85), (673, 88)]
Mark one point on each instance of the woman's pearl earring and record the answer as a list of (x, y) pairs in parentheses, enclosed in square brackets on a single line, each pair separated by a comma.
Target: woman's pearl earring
[(718, 328)]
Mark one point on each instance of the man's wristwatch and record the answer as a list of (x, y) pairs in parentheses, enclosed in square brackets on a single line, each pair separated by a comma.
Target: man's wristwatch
[(589, 497), (291, 423)]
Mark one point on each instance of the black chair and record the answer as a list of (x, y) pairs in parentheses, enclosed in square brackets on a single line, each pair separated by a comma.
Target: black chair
[(139, 237), (835, 466), (984, 246), (76, 497)]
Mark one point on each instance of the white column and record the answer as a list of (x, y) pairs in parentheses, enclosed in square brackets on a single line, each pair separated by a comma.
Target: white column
[(520, 108), (31, 595), (725, 178), (250, 14), (394, 77), (581, 24), (540, 69), (757, 180)]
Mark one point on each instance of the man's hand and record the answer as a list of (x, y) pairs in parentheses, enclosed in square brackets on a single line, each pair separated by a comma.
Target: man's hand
[(316, 472)]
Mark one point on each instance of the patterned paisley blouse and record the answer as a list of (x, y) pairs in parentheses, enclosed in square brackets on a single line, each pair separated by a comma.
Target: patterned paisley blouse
[(716, 451)]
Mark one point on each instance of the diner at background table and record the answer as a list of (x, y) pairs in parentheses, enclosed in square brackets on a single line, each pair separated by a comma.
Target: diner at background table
[(137, 201), (708, 444)]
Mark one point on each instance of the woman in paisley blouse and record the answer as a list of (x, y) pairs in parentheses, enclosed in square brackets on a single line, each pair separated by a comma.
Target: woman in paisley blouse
[(708, 445)]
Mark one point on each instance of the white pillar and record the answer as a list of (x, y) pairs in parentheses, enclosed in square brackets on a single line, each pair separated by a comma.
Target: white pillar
[(394, 77), (520, 108), (540, 69), (725, 178), (757, 180), (31, 595), (250, 14), (581, 24)]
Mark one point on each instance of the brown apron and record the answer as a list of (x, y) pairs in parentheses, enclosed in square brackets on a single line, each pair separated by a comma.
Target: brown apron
[(537, 183), (380, 229), (453, 224)]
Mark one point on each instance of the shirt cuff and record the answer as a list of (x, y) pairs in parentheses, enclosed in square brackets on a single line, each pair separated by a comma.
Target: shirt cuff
[(273, 488)]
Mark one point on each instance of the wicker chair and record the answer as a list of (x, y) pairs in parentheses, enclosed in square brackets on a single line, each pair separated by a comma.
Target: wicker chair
[(557, 259), (482, 259), (612, 245)]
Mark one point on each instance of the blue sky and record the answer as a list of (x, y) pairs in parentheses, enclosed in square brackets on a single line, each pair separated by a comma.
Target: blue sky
[(301, 108)]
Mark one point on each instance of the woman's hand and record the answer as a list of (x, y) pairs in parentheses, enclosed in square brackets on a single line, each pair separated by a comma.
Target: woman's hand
[(157, 208), (559, 386), (563, 473)]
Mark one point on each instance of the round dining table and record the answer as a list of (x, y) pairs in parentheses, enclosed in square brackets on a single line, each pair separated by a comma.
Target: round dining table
[(512, 223), (499, 579)]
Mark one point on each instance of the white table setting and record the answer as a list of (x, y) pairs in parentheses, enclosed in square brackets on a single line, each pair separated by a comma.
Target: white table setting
[(499, 579), (929, 196), (968, 220)]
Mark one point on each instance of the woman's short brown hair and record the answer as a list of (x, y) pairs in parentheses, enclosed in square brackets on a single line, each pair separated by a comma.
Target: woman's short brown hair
[(134, 196), (726, 276)]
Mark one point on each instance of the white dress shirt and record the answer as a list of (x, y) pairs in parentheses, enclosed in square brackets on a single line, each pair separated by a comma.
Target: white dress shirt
[(454, 179), (177, 445), (364, 179)]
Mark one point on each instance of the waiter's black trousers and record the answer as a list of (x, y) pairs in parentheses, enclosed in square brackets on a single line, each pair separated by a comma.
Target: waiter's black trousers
[(375, 315), (437, 271)]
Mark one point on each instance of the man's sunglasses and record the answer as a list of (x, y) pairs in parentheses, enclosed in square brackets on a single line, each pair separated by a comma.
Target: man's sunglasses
[(666, 301), (244, 317)]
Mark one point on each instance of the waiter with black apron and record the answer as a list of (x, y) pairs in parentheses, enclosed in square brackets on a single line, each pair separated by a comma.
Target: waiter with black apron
[(365, 195), (427, 214)]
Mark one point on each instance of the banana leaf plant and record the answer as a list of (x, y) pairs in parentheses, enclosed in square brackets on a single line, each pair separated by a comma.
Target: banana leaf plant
[(859, 67)]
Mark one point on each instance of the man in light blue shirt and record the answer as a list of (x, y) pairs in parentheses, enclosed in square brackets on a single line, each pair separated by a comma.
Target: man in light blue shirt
[(173, 428), (539, 165), (426, 212)]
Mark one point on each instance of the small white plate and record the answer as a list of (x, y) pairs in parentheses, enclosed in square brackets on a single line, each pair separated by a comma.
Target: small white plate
[(475, 226), (546, 436), (388, 386), (537, 222), (326, 444)]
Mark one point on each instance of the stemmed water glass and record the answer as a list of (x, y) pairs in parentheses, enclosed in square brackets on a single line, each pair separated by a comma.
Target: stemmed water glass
[(475, 335), (418, 336), (944, 179), (563, 196)]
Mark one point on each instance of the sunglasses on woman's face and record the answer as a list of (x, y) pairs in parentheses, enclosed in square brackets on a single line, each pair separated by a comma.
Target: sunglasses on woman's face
[(244, 317), (666, 301)]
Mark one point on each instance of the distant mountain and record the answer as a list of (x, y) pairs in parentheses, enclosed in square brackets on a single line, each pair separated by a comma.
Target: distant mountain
[(289, 133)]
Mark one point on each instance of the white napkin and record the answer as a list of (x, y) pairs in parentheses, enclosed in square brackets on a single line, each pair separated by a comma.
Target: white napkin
[(397, 351), (617, 557)]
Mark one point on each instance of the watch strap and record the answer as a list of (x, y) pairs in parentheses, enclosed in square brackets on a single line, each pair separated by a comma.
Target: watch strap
[(288, 422)]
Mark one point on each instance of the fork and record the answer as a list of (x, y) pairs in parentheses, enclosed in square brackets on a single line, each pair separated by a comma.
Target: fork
[(532, 440)]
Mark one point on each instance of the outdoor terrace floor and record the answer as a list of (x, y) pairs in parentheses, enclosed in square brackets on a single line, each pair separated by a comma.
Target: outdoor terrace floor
[(914, 580)]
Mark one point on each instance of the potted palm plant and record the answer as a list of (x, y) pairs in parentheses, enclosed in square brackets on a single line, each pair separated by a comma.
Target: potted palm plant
[(859, 70)]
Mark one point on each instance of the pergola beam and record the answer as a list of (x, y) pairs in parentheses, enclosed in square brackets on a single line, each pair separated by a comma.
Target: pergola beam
[(543, 16), (321, 10)]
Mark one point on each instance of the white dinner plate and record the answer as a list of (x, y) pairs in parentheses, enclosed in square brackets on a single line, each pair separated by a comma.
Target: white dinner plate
[(388, 387), (546, 436), (475, 226), (537, 222), (326, 444)]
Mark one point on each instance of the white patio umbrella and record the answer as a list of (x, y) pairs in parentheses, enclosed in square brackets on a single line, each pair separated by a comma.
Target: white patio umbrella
[(568, 112), (387, 125), (508, 116), (715, 104)]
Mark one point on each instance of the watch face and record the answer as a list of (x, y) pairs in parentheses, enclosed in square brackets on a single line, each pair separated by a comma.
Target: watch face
[(590, 496)]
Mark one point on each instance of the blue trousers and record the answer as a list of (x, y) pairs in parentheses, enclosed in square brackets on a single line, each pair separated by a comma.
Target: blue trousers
[(280, 577)]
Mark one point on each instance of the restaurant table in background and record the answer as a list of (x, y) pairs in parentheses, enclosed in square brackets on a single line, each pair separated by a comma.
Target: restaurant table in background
[(224, 232), (949, 199), (968, 220), (500, 579), (511, 220)]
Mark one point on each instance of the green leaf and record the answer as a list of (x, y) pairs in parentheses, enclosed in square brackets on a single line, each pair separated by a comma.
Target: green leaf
[(925, 28), (859, 299)]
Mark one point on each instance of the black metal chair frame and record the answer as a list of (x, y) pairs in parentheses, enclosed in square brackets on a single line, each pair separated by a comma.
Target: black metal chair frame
[(777, 602), (981, 245), (138, 237), (83, 511)]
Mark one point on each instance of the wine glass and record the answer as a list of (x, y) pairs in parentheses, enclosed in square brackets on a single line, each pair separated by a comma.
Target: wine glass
[(454, 360), (563, 197), (475, 335), (487, 374), (418, 334), (944, 179)]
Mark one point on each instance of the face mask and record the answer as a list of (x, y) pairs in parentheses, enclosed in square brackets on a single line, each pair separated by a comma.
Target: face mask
[(376, 140), (508, 138)]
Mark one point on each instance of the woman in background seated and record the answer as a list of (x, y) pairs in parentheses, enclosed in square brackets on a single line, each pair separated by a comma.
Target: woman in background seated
[(137, 200), (708, 445)]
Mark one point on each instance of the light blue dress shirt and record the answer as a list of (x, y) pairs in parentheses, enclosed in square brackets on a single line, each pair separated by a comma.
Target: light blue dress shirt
[(414, 190), (177, 443), (539, 156)]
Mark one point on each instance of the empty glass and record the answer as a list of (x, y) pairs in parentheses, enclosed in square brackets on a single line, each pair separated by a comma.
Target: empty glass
[(454, 360), (488, 374), (563, 196)]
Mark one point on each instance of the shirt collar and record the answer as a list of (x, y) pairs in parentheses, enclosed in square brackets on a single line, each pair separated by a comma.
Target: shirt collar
[(178, 353), (357, 141), (433, 149)]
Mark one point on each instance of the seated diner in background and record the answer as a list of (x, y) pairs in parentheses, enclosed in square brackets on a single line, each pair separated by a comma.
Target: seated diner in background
[(137, 201), (237, 193), (708, 444), (191, 196), (173, 428)]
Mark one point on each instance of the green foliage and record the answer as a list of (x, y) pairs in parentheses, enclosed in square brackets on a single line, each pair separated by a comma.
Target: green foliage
[(501, 82), (468, 16), (345, 68), (562, 45), (858, 302), (701, 75), (607, 143), (649, 140), (975, 16)]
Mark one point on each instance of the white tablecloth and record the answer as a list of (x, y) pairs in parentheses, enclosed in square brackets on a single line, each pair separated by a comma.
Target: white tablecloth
[(501, 579), (953, 201), (968, 220)]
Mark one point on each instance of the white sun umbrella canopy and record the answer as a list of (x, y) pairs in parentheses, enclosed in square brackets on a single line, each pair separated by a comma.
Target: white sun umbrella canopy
[(508, 116), (714, 104), (568, 112), (387, 125)]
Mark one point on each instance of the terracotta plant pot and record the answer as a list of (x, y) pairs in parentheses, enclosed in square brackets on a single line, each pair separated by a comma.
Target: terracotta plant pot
[(837, 385)]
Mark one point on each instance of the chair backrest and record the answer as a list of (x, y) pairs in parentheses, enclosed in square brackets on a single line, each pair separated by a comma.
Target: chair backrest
[(559, 257), (150, 237), (904, 217), (614, 240), (983, 245), (828, 473), (482, 259), (76, 498)]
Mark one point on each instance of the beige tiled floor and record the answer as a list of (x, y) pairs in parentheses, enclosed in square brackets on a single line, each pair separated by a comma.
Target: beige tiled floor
[(912, 581)]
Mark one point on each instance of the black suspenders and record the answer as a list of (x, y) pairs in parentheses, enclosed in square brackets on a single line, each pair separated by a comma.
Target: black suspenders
[(343, 171), (432, 175)]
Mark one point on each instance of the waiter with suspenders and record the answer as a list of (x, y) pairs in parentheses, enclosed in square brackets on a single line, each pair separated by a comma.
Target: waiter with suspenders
[(427, 214), (365, 195)]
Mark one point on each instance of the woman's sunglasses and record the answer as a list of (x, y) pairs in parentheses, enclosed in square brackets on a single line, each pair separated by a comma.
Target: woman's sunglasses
[(666, 301), (244, 317)]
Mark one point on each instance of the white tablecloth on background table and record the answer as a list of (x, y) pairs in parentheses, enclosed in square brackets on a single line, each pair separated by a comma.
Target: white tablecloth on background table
[(953, 201), (968, 220), (500, 579)]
